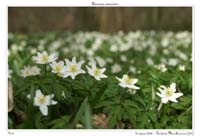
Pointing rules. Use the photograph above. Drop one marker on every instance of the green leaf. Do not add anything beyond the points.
(130, 103)
(60, 122)
(38, 123)
(132, 114)
(152, 115)
(88, 122)
(79, 85)
(104, 104)
(99, 95)
(142, 119)
(80, 112)
(140, 101)
(115, 115)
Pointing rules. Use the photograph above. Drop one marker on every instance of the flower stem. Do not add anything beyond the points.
(123, 95)
(94, 83)
(45, 69)
(153, 93)
(160, 106)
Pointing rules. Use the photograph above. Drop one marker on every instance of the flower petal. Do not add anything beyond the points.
(134, 81)
(119, 79)
(173, 99)
(74, 60)
(67, 61)
(44, 110)
(103, 70)
(164, 99)
(160, 95)
(38, 93)
(176, 95)
(173, 87)
(53, 102)
(133, 87)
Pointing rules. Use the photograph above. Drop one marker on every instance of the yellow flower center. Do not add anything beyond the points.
(97, 72)
(73, 68)
(128, 80)
(42, 99)
(58, 68)
(45, 58)
(168, 92)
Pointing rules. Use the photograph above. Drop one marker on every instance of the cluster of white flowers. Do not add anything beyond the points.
(30, 71)
(71, 69)
(118, 43)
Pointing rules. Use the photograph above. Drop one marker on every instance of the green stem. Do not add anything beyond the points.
(123, 95)
(45, 69)
(94, 83)
(94, 88)
(153, 94)
(32, 93)
(160, 106)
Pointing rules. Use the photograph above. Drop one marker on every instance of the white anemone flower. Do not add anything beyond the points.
(168, 93)
(97, 73)
(30, 71)
(73, 68)
(57, 67)
(128, 82)
(43, 101)
(44, 58)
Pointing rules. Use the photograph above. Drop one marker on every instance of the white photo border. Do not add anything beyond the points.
(4, 131)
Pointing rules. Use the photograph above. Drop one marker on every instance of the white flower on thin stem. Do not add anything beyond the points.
(73, 68)
(44, 58)
(168, 93)
(128, 82)
(43, 101)
(57, 67)
(97, 73)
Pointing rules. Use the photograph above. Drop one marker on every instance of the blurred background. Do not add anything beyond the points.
(42, 19)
